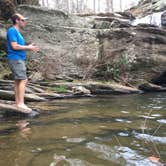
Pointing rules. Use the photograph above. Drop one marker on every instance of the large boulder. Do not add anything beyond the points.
(138, 53)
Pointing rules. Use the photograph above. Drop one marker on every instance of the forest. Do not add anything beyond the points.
(77, 6)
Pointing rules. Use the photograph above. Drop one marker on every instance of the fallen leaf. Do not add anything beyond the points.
(154, 159)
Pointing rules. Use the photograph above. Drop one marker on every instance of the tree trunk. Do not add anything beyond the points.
(112, 5)
(120, 5)
(99, 6)
(94, 5)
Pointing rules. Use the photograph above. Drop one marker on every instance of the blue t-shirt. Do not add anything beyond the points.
(13, 35)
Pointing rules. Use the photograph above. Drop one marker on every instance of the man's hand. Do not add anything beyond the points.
(33, 47)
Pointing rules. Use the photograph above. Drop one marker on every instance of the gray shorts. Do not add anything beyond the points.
(18, 69)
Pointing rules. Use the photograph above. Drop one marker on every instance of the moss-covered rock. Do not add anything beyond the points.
(7, 9)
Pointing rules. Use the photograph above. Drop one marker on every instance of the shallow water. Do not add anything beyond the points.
(102, 131)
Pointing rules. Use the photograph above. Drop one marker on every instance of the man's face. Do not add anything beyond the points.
(21, 22)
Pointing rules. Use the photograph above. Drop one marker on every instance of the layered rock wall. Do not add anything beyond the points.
(102, 46)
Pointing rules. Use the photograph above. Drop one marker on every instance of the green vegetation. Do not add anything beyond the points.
(2, 54)
(60, 89)
(113, 69)
(7, 8)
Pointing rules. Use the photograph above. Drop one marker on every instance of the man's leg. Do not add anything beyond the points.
(21, 91)
(16, 85)
(20, 86)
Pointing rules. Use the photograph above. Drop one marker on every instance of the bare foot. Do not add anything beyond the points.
(23, 108)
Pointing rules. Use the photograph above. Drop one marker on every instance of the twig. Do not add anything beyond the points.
(117, 140)
(144, 125)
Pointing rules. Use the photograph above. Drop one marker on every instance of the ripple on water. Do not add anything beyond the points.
(78, 162)
(122, 134)
(146, 117)
(156, 115)
(123, 120)
(62, 160)
(150, 138)
(120, 155)
(75, 140)
(162, 121)
(125, 112)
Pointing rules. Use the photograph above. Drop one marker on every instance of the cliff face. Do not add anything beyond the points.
(98, 46)
(146, 7)
(68, 44)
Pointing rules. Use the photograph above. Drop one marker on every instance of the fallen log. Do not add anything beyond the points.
(51, 96)
(9, 95)
(101, 88)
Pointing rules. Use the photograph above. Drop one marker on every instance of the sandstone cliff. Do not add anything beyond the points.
(94, 46)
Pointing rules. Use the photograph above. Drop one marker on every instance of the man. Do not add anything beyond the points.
(16, 58)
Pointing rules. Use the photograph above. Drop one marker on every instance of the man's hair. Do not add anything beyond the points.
(14, 18)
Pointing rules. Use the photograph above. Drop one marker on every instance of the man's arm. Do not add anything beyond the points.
(30, 47)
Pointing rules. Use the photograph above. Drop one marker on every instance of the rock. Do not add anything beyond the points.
(9, 95)
(120, 24)
(53, 96)
(101, 88)
(80, 90)
(163, 19)
(67, 46)
(146, 7)
(36, 76)
(161, 80)
(36, 89)
(149, 87)
(11, 109)
(65, 78)
(1, 67)
(137, 51)
(2, 38)
(7, 9)
(110, 23)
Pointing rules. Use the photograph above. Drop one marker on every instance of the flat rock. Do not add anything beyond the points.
(7, 108)
(149, 87)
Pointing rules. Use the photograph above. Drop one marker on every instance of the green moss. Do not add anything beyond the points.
(113, 69)
(2, 54)
(60, 89)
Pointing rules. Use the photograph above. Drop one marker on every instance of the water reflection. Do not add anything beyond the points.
(121, 155)
(104, 131)
(22, 125)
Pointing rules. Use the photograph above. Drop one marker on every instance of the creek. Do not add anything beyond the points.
(102, 131)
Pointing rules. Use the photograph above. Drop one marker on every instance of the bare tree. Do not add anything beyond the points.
(94, 5)
(68, 5)
(57, 4)
(107, 6)
(99, 6)
(43, 3)
(47, 3)
(112, 5)
(120, 5)
(29, 2)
